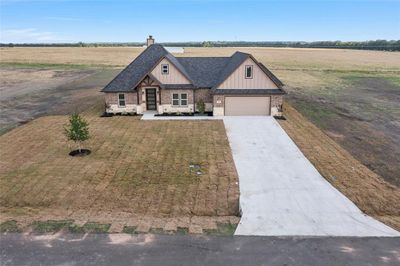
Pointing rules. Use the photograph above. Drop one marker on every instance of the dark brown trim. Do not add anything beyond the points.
(248, 92)
(194, 100)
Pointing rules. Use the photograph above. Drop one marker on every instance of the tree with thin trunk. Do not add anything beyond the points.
(78, 130)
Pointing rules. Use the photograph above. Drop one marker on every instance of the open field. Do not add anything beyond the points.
(137, 170)
(30, 92)
(276, 58)
(352, 95)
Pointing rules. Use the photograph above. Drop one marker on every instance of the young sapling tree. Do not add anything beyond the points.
(77, 130)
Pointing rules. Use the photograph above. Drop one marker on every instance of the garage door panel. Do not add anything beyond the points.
(235, 106)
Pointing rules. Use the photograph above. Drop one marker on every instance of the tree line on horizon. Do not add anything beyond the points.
(384, 45)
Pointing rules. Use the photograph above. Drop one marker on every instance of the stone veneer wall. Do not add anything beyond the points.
(276, 105)
(111, 100)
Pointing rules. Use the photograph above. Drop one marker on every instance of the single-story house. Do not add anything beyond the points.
(158, 81)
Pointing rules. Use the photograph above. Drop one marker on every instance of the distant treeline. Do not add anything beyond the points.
(385, 45)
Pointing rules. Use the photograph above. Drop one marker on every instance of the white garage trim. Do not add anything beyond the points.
(247, 105)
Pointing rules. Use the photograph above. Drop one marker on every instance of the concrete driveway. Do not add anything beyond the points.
(282, 193)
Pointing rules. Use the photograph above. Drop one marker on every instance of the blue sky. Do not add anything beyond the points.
(197, 20)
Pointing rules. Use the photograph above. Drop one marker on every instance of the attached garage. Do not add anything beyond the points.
(250, 105)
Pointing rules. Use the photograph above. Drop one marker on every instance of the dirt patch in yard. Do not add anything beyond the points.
(361, 112)
(365, 188)
(137, 170)
(28, 93)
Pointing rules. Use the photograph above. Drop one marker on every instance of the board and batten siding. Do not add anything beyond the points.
(173, 77)
(237, 79)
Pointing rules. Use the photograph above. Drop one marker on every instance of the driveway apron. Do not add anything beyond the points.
(282, 194)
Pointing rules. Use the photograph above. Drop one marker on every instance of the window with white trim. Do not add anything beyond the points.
(184, 99)
(175, 99)
(165, 69)
(121, 100)
(179, 99)
(249, 72)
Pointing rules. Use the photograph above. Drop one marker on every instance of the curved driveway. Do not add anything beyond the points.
(281, 193)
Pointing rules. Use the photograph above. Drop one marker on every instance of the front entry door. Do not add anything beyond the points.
(151, 99)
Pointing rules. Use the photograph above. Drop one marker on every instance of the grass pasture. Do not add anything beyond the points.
(137, 168)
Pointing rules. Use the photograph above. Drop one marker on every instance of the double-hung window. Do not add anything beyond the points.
(179, 99)
(164, 69)
(175, 99)
(121, 100)
(184, 100)
(249, 72)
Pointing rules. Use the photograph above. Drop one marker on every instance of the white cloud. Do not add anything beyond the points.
(29, 35)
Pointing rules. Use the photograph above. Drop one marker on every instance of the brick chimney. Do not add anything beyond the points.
(150, 41)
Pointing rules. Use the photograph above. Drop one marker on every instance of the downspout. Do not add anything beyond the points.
(194, 101)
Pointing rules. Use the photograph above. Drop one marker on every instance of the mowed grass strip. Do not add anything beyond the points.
(9, 227)
(140, 167)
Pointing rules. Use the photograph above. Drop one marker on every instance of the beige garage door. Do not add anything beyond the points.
(247, 105)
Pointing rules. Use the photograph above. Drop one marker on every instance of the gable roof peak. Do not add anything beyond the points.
(239, 52)
(129, 78)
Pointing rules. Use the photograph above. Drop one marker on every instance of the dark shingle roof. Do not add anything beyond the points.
(128, 79)
(234, 62)
(178, 65)
(202, 72)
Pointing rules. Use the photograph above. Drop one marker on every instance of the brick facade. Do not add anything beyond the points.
(204, 95)
(218, 100)
(130, 98)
